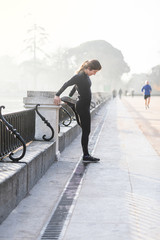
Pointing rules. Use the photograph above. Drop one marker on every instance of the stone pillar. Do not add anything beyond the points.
(48, 110)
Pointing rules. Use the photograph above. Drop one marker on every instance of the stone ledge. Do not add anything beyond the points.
(18, 178)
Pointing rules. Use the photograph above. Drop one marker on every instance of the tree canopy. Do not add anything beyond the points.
(111, 59)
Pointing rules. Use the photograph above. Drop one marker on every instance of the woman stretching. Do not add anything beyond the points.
(82, 84)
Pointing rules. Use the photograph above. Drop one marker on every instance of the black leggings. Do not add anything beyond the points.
(85, 123)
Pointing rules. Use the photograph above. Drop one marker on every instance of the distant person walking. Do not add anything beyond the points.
(114, 93)
(146, 89)
(82, 84)
(120, 93)
(132, 93)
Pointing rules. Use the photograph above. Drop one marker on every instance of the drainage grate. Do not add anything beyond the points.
(57, 221)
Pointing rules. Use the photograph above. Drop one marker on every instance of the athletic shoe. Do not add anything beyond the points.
(90, 159)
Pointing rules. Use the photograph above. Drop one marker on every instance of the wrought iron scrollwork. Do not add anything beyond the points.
(16, 134)
(47, 123)
(69, 120)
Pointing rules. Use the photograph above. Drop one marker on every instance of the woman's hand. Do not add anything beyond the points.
(57, 100)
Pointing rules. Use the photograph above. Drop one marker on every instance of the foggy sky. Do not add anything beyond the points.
(132, 26)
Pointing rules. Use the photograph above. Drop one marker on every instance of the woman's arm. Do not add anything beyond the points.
(71, 82)
(72, 91)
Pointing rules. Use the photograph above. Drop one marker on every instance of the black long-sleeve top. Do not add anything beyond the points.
(82, 84)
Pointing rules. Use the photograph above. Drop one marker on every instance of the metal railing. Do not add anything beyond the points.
(47, 123)
(17, 129)
(66, 115)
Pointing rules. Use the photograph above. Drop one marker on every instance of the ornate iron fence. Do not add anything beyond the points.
(66, 115)
(16, 129)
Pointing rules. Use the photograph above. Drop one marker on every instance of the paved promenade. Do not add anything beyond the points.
(120, 197)
(147, 120)
(117, 198)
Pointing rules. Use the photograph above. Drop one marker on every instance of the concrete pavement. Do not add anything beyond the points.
(120, 196)
(117, 199)
(147, 120)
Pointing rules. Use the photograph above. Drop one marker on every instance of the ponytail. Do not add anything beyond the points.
(82, 67)
(92, 65)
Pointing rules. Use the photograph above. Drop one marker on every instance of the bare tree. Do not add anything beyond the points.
(37, 39)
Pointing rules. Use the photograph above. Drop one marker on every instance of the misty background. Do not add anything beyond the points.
(43, 43)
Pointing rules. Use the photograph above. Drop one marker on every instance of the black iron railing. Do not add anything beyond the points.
(66, 115)
(47, 123)
(16, 129)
